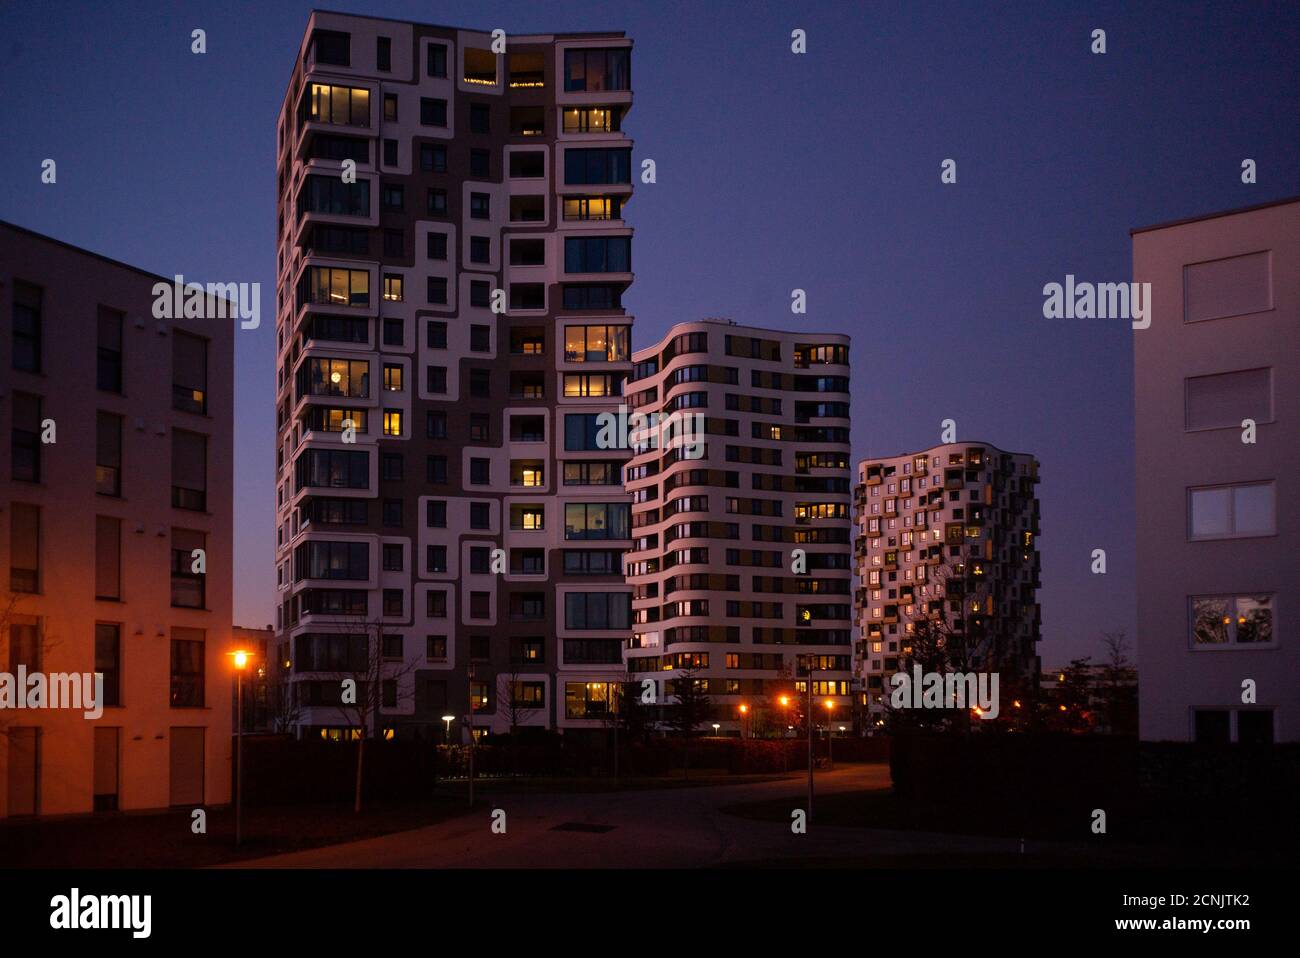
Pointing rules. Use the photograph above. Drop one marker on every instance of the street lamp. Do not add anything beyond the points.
(240, 658)
(830, 736)
(785, 752)
(744, 712)
(448, 719)
(716, 726)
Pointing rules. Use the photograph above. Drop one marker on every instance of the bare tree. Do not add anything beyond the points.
(1119, 689)
(34, 647)
(369, 683)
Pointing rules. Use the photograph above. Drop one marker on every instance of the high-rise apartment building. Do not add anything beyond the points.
(740, 564)
(1217, 382)
(115, 536)
(450, 327)
(946, 543)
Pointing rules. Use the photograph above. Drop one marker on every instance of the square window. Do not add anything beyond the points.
(480, 163)
(480, 338)
(480, 206)
(433, 111)
(433, 158)
(480, 515)
(436, 246)
(480, 118)
(480, 249)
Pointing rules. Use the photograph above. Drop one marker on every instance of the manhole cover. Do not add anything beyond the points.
(582, 827)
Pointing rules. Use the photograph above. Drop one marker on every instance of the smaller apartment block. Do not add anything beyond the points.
(98, 528)
(947, 535)
(740, 562)
(1217, 382)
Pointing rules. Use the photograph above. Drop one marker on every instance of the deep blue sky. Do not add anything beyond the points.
(775, 171)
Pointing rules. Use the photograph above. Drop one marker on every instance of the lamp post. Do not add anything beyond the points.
(830, 736)
(744, 713)
(241, 662)
(716, 726)
(448, 719)
(469, 722)
(812, 722)
(785, 754)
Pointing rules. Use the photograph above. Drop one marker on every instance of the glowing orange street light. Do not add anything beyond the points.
(830, 736)
(240, 658)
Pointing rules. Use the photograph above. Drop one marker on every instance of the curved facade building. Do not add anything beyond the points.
(740, 565)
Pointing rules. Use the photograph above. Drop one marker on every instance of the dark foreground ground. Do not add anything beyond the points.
(714, 821)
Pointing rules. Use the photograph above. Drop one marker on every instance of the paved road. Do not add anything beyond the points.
(653, 828)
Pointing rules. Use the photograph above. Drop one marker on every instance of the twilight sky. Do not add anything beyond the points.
(775, 171)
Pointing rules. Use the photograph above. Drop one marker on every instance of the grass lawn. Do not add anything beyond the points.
(164, 839)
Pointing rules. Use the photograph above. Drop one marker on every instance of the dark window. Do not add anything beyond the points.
(435, 379)
(480, 206)
(433, 158)
(1255, 727)
(390, 152)
(598, 254)
(189, 588)
(187, 668)
(479, 559)
(393, 513)
(480, 249)
(108, 372)
(480, 118)
(435, 514)
(480, 472)
(108, 660)
(108, 454)
(189, 373)
(435, 469)
(435, 246)
(480, 293)
(392, 557)
(436, 202)
(593, 296)
(392, 647)
(189, 470)
(383, 53)
(436, 60)
(527, 252)
(596, 69)
(25, 438)
(394, 243)
(480, 163)
(332, 47)
(527, 120)
(436, 291)
(393, 197)
(433, 111)
(1213, 726)
(480, 338)
(390, 107)
(527, 295)
(27, 327)
(480, 515)
(393, 601)
(527, 165)
(613, 165)
(435, 559)
(435, 425)
(329, 194)
(390, 466)
(479, 427)
(393, 332)
(480, 383)
(435, 334)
